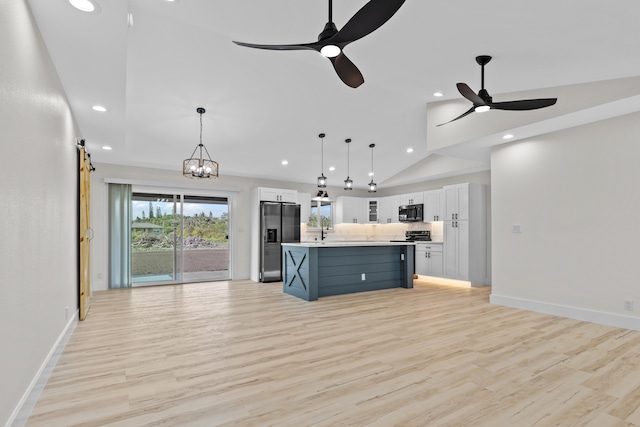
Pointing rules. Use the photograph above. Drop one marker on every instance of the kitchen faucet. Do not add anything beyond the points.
(322, 234)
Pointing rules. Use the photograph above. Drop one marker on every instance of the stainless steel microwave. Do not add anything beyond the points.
(410, 213)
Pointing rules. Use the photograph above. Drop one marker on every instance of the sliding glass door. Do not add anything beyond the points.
(205, 238)
(178, 238)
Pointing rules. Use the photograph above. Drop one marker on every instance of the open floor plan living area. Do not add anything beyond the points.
(319, 213)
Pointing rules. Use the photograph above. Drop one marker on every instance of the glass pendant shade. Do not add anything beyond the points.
(348, 184)
(322, 181)
(200, 167)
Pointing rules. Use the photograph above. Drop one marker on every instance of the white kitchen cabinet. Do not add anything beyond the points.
(433, 204)
(456, 242)
(412, 198)
(456, 202)
(465, 240)
(428, 259)
(278, 195)
(304, 199)
(351, 210)
(388, 209)
(373, 210)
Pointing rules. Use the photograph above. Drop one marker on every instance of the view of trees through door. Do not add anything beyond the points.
(178, 238)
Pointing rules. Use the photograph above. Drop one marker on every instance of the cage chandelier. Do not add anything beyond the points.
(200, 167)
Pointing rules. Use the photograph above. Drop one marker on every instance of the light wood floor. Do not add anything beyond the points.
(244, 354)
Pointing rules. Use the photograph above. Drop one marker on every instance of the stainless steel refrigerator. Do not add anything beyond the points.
(279, 223)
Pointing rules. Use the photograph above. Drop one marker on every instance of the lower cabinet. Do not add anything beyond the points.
(428, 259)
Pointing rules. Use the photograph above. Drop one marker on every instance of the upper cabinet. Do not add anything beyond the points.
(373, 210)
(388, 209)
(278, 195)
(304, 199)
(456, 202)
(412, 199)
(351, 210)
(433, 206)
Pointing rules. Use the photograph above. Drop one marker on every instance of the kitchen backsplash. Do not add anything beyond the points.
(372, 232)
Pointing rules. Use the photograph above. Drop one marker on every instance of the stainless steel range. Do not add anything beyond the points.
(416, 236)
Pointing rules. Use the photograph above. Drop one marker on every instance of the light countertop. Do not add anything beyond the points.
(339, 244)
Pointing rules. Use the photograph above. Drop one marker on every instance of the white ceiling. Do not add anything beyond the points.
(266, 106)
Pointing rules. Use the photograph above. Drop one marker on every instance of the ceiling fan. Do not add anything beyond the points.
(331, 42)
(484, 102)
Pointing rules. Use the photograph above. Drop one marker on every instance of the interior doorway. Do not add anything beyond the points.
(177, 238)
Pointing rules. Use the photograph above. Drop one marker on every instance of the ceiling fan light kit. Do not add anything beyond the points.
(482, 101)
(331, 41)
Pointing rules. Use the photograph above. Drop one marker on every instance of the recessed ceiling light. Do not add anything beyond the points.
(409, 150)
(332, 168)
(438, 94)
(107, 148)
(507, 136)
(99, 108)
(284, 162)
(84, 5)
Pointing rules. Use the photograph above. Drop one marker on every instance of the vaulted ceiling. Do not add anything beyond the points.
(151, 63)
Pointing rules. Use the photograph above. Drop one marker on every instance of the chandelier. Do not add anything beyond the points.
(200, 167)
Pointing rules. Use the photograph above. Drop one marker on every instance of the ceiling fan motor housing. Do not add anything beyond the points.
(329, 31)
(488, 99)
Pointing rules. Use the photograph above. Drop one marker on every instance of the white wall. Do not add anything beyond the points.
(38, 189)
(575, 195)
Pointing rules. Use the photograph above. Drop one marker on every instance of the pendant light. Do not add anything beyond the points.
(348, 183)
(373, 187)
(322, 180)
(200, 167)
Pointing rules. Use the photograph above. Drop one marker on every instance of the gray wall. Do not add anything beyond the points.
(575, 195)
(38, 238)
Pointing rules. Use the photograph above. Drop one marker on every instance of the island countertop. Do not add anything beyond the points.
(347, 243)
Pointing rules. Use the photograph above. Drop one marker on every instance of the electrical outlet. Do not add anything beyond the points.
(363, 276)
(517, 228)
(99, 275)
(628, 305)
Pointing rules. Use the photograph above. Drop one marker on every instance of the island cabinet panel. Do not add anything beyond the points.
(312, 272)
(300, 272)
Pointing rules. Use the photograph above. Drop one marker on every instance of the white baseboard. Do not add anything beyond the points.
(609, 319)
(28, 401)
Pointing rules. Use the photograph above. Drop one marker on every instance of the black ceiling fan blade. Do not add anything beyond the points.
(524, 104)
(466, 113)
(368, 19)
(468, 93)
(347, 71)
(305, 46)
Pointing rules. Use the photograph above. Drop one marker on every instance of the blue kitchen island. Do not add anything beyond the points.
(317, 269)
